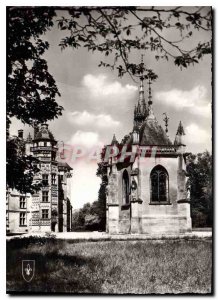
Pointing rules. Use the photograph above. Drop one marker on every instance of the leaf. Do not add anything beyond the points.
(128, 32)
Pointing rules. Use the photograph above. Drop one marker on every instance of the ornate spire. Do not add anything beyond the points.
(140, 112)
(114, 140)
(141, 89)
(166, 119)
(179, 139)
(149, 92)
(180, 130)
(135, 134)
(150, 102)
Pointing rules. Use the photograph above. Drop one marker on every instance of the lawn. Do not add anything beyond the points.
(138, 267)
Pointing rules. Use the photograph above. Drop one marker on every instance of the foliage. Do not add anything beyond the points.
(200, 174)
(92, 222)
(91, 216)
(115, 267)
(31, 89)
(117, 31)
(21, 168)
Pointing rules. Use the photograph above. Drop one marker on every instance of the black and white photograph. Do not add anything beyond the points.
(109, 139)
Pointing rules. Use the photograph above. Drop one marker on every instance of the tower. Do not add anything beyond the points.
(28, 144)
(49, 208)
(141, 111)
(45, 201)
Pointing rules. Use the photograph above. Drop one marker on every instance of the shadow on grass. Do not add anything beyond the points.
(54, 272)
(113, 267)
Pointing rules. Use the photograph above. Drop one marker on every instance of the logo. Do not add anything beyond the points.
(28, 269)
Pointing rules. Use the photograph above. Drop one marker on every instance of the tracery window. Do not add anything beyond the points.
(159, 179)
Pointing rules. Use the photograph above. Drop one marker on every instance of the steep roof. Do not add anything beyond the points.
(44, 133)
(151, 133)
(64, 165)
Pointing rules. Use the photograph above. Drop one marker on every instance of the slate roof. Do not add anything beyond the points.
(64, 165)
(44, 134)
(151, 133)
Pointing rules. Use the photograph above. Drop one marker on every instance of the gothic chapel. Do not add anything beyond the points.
(149, 195)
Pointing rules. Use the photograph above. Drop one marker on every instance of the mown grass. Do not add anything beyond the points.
(135, 267)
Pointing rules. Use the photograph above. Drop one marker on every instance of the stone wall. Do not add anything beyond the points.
(142, 216)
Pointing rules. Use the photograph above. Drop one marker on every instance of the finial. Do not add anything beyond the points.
(141, 84)
(150, 109)
(114, 140)
(149, 92)
(142, 73)
(166, 119)
(179, 139)
(180, 130)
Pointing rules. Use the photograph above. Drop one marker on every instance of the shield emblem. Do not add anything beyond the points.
(28, 269)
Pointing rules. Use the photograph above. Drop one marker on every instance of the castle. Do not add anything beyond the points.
(149, 194)
(49, 209)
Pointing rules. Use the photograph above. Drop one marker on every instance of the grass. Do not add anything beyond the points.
(135, 267)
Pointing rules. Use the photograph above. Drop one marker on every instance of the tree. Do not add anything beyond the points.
(31, 89)
(199, 169)
(115, 32)
(102, 173)
(21, 168)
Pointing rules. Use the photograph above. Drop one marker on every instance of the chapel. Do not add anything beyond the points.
(149, 194)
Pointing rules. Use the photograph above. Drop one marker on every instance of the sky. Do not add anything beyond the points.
(98, 104)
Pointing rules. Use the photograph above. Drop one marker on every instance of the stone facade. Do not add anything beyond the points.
(49, 209)
(148, 195)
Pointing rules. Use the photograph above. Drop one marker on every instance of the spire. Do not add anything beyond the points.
(149, 92)
(140, 112)
(141, 89)
(179, 139)
(114, 140)
(180, 130)
(150, 102)
(135, 134)
(166, 119)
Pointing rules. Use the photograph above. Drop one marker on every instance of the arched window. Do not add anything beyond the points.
(125, 185)
(159, 185)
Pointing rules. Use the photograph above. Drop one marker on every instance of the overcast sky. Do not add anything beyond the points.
(98, 104)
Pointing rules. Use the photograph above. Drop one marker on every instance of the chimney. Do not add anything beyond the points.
(20, 133)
